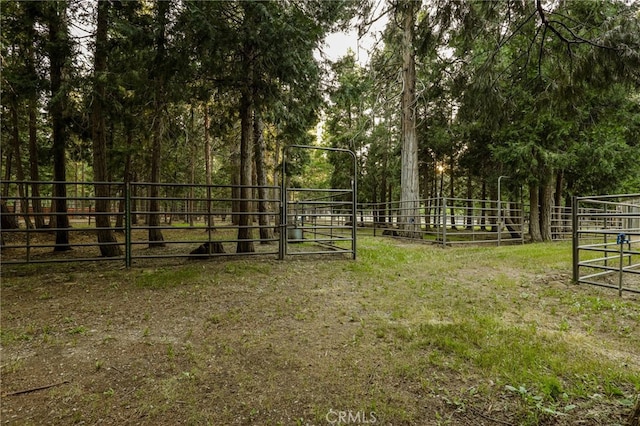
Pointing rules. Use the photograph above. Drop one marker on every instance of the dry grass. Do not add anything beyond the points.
(407, 334)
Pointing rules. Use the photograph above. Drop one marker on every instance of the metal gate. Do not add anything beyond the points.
(193, 221)
(317, 220)
(606, 241)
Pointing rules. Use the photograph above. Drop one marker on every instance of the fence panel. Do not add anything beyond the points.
(606, 241)
(149, 221)
(450, 221)
(35, 230)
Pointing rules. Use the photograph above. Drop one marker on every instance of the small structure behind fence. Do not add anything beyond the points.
(606, 241)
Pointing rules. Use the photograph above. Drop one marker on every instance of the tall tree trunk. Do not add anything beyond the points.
(246, 158)
(382, 215)
(127, 179)
(15, 138)
(33, 136)
(245, 243)
(452, 193)
(469, 209)
(266, 232)
(106, 237)
(7, 172)
(441, 197)
(58, 56)
(245, 236)
(235, 186)
(409, 182)
(33, 166)
(558, 216)
(9, 219)
(191, 141)
(493, 214)
(483, 205)
(276, 179)
(207, 162)
(155, 233)
(546, 205)
(534, 213)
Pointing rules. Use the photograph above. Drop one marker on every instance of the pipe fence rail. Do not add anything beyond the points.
(448, 221)
(166, 221)
(318, 220)
(606, 241)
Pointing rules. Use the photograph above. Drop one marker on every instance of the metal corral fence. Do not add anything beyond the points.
(606, 241)
(323, 217)
(156, 221)
(449, 221)
(320, 220)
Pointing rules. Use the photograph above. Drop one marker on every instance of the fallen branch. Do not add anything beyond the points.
(21, 392)
(493, 419)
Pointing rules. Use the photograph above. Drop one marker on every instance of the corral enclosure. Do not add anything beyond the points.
(194, 214)
(606, 242)
(200, 221)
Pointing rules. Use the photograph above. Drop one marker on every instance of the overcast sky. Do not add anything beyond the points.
(337, 44)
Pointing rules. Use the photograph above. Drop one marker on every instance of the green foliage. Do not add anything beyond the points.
(503, 88)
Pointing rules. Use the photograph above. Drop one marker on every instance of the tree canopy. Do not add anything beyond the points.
(203, 92)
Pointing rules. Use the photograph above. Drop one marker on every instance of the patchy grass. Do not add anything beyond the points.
(406, 334)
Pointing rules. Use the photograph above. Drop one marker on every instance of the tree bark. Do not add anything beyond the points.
(8, 219)
(469, 209)
(546, 205)
(15, 138)
(7, 172)
(557, 206)
(409, 181)
(58, 56)
(452, 193)
(156, 238)
(106, 237)
(245, 245)
(266, 232)
(207, 162)
(534, 214)
(244, 231)
(191, 143)
(33, 136)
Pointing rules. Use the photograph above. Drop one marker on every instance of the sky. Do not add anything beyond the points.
(337, 44)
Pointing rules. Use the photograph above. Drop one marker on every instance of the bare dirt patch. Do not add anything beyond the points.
(257, 341)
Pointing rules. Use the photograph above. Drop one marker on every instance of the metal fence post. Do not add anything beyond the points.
(283, 208)
(127, 224)
(444, 221)
(575, 239)
(27, 230)
(621, 241)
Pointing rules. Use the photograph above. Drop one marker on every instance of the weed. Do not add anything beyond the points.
(13, 366)
(167, 278)
(78, 330)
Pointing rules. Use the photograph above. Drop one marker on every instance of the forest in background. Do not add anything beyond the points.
(455, 95)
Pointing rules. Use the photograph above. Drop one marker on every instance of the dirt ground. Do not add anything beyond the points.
(223, 342)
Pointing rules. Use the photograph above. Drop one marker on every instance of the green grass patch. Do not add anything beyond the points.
(168, 277)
